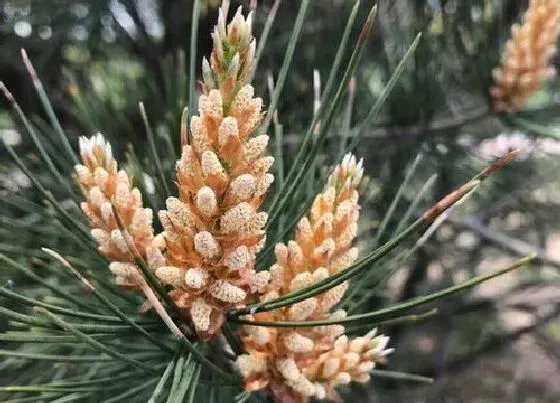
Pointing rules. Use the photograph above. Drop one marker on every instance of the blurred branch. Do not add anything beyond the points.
(549, 345)
(433, 128)
(389, 132)
(515, 193)
(132, 9)
(513, 245)
(494, 344)
(142, 49)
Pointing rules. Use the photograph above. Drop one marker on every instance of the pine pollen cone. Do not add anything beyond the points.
(214, 229)
(106, 190)
(300, 363)
(525, 59)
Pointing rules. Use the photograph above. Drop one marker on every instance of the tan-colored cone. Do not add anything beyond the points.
(525, 59)
(290, 361)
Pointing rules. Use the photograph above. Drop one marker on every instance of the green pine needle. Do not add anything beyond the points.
(374, 318)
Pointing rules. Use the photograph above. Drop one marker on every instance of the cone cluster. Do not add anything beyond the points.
(214, 228)
(525, 60)
(108, 190)
(303, 362)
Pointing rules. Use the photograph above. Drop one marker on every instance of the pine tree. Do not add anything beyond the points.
(186, 292)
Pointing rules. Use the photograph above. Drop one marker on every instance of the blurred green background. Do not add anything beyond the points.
(501, 342)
